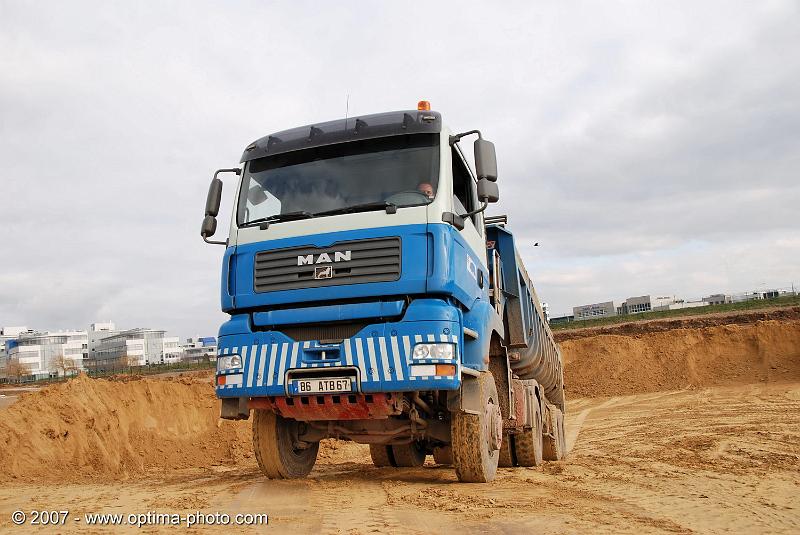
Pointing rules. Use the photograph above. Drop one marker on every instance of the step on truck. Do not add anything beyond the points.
(371, 299)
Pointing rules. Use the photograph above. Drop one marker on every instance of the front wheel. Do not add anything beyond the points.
(476, 438)
(279, 453)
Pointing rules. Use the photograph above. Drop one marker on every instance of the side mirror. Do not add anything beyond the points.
(488, 191)
(213, 200)
(209, 226)
(485, 160)
(214, 197)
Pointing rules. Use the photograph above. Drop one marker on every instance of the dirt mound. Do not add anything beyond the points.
(129, 427)
(691, 322)
(611, 364)
(89, 428)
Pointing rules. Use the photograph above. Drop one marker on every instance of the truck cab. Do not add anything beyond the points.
(365, 302)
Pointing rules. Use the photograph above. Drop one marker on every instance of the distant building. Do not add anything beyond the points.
(546, 310)
(42, 352)
(686, 304)
(97, 332)
(561, 319)
(717, 299)
(137, 347)
(635, 305)
(594, 311)
(663, 302)
(199, 349)
(8, 337)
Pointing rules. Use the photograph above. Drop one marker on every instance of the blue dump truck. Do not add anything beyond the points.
(372, 300)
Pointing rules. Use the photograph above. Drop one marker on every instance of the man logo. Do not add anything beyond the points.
(324, 258)
(325, 272)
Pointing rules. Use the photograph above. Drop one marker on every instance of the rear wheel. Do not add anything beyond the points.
(476, 438)
(279, 453)
(554, 444)
(443, 455)
(380, 455)
(409, 455)
(506, 452)
(528, 445)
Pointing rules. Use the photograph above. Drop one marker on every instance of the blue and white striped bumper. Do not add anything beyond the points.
(382, 363)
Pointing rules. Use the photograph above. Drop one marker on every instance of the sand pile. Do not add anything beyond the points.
(609, 365)
(89, 428)
(127, 428)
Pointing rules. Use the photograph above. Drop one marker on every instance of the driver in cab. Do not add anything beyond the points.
(426, 189)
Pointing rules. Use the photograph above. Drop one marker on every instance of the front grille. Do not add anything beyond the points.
(371, 260)
(332, 332)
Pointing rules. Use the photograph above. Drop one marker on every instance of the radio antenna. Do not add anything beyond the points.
(346, 110)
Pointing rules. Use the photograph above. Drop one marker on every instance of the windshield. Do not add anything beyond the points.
(369, 174)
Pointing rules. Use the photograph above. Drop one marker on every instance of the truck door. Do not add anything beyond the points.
(465, 200)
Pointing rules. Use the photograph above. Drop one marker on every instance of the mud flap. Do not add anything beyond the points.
(468, 398)
(234, 409)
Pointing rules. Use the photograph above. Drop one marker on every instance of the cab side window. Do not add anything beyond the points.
(463, 188)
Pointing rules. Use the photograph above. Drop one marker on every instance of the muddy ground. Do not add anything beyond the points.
(707, 455)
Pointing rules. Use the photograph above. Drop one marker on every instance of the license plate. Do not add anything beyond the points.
(327, 385)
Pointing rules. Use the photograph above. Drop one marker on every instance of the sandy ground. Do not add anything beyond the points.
(688, 429)
(723, 459)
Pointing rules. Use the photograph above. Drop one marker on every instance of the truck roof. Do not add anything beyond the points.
(351, 129)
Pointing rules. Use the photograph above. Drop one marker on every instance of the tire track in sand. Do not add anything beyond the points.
(359, 506)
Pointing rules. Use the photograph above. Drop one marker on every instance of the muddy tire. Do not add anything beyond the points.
(380, 455)
(409, 455)
(561, 426)
(443, 455)
(506, 452)
(529, 445)
(274, 446)
(476, 438)
(554, 446)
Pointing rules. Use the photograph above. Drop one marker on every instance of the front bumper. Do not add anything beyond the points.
(379, 358)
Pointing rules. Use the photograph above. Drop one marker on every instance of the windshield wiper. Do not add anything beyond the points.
(278, 218)
(391, 208)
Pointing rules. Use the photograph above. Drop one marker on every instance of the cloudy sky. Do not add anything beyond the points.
(649, 147)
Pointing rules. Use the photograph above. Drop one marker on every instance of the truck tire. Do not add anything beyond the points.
(380, 455)
(529, 445)
(476, 438)
(554, 444)
(443, 455)
(409, 455)
(506, 452)
(563, 434)
(273, 444)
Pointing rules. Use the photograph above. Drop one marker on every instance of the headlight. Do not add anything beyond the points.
(229, 362)
(434, 351)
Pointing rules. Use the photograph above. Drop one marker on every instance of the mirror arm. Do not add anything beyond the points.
(212, 242)
(236, 170)
(456, 138)
(478, 211)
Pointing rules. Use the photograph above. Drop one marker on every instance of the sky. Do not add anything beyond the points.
(648, 147)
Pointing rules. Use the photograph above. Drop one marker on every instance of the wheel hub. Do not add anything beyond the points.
(493, 425)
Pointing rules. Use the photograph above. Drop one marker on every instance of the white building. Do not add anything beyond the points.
(686, 304)
(97, 332)
(200, 349)
(137, 347)
(8, 337)
(42, 352)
